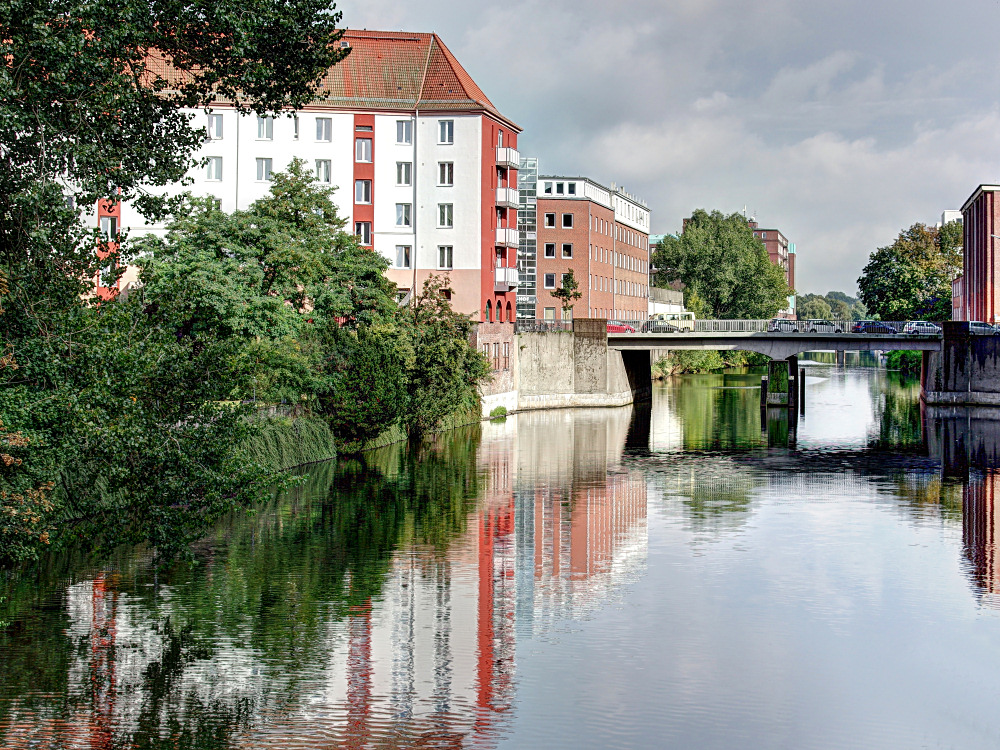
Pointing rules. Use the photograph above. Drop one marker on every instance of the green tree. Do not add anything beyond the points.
(718, 259)
(911, 278)
(568, 292)
(813, 306)
(443, 370)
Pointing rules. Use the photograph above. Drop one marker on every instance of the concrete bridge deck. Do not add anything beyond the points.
(775, 345)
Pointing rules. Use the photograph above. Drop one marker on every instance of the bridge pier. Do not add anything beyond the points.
(841, 358)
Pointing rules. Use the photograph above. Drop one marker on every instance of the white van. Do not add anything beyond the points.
(669, 322)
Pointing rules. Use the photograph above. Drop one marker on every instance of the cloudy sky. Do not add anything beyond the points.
(838, 123)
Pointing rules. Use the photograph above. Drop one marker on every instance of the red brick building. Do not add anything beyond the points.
(781, 254)
(976, 290)
(602, 235)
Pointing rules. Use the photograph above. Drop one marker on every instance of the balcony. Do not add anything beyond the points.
(507, 237)
(508, 157)
(505, 279)
(507, 197)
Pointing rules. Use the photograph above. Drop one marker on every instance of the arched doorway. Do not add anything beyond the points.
(489, 311)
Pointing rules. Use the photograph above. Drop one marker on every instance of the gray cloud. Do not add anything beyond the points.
(838, 123)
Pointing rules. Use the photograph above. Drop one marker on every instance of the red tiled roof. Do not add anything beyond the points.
(390, 70)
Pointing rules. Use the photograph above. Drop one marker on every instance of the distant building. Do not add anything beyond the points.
(602, 234)
(975, 297)
(782, 254)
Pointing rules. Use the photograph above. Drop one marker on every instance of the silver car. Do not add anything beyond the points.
(922, 328)
(822, 326)
(981, 329)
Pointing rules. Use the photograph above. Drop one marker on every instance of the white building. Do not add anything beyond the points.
(424, 165)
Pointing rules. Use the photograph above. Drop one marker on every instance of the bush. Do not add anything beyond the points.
(499, 412)
(905, 361)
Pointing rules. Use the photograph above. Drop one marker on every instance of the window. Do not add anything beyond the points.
(550, 249)
(403, 214)
(215, 127)
(362, 191)
(550, 281)
(364, 128)
(403, 171)
(263, 170)
(550, 313)
(402, 256)
(446, 131)
(446, 173)
(107, 273)
(445, 256)
(506, 354)
(567, 314)
(363, 229)
(571, 188)
(562, 280)
(548, 188)
(559, 188)
(295, 127)
(567, 221)
(496, 344)
(265, 128)
(109, 228)
(550, 220)
(363, 149)
(323, 170)
(500, 139)
(404, 131)
(324, 129)
(567, 250)
(446, 217)
(213, 170)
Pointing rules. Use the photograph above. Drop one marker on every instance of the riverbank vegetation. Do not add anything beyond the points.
(906, 362)
(831, 306)
(682, 362)
(138, 419)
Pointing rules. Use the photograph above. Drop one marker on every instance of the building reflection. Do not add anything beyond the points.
(426, 659)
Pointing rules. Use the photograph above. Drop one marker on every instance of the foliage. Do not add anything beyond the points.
(905, 361)
(284, 443)
(366, 393)
(681, 361)
(498, 412)
(911, 278)
(834, 305)
(568, 292)
(443, 371)
(719, 259)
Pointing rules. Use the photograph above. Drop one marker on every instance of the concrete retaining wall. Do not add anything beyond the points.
(965, 371)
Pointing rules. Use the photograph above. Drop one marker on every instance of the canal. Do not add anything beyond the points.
(669, 575)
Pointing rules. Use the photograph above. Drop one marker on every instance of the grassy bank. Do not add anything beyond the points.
(681, 362)
(285, 442)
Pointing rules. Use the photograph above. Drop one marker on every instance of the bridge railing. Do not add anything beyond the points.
(542, 326)
(781, 325)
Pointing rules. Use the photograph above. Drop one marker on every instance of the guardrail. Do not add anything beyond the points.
(780, 325)
(542, 326)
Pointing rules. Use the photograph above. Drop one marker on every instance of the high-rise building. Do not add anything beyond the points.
(976, 292)
(602, 235)
(424, 164)
(781, 252)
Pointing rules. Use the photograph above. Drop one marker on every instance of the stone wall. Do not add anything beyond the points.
(965, 371)
(498, 342)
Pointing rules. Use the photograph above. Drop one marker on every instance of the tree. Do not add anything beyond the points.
(443, 370)
(568, 292)
(911, 278)
(813, 306)
(718, 259)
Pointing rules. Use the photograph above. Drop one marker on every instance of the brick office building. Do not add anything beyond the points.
(602, 234)
(974, 293)
(782, 254)
(425, 166)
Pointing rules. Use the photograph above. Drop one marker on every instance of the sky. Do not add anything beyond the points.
(838, 123)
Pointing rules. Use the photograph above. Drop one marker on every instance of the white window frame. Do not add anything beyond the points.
(214, 126)
(545, 250)
(363, 191)
(404, 132)
(109, 228)
(545, 281)
(564, 218)
(213, 169)
(403, 256)
(324, 129)
(295, 127)
(446, 215)
(446, 132)
(570, 246)
(404, 214)
(551, 225)
(265, 128)
(265, 169)
(446, 257)
(446, 173)
(363, 231)
(363, 150)
(324, 170)
(404, 169)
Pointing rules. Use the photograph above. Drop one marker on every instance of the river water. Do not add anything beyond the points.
(663, 576)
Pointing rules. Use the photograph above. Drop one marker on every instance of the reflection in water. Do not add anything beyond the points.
(420, 596)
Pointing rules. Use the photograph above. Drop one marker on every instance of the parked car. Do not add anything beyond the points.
(982, 329)
(872, 326)
(658, 325)
(921, 328)
(822, 326)
(616, 326)
(782, 325)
